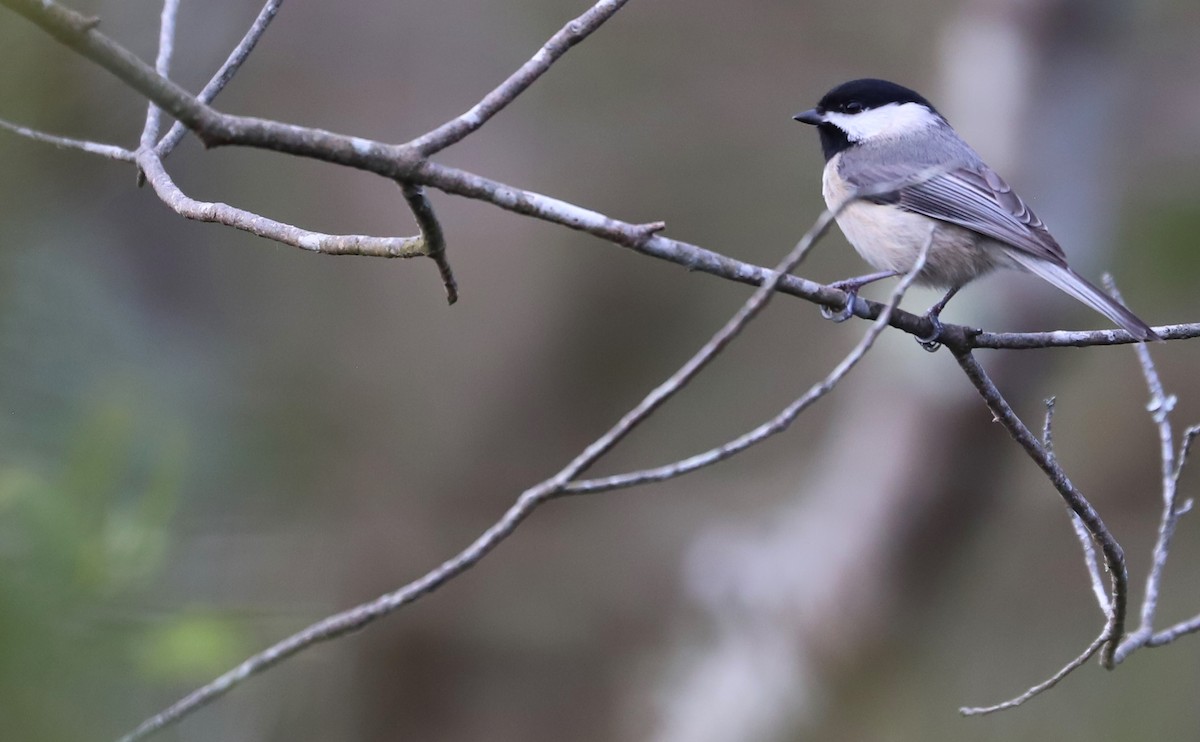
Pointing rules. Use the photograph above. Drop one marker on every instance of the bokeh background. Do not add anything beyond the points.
(208, 441)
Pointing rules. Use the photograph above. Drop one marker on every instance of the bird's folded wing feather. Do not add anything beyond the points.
(978, 199)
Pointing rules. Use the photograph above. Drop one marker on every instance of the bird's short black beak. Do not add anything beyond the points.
(811, 116)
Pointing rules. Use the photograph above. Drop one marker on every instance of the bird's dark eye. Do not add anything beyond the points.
(853, 107)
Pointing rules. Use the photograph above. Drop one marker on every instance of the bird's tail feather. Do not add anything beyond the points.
(1079, 287)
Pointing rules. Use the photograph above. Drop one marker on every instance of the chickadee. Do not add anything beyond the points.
(925, 183)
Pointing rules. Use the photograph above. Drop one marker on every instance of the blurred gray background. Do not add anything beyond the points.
(208, 441)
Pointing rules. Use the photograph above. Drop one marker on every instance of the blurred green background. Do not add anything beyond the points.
(208, 441)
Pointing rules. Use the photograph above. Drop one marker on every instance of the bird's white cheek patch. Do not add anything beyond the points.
(890, 121)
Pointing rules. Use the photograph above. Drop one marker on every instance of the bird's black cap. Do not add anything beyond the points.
(869, 93)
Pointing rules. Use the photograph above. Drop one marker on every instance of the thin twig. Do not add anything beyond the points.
(162, 65)
(569, 35)
(1076, 338)
(328, 244)
(108, 151)
(431, 235)
(1042, 687)
(218, 82)
(1048, 428)
(1081, 532)
(1160, 406)
(356, 618)
(1093, 565)
(1114, 557)
(775, 425)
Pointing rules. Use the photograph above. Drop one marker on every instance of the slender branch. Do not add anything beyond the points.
(108, 151)
(1048, 429)
(351, 620)
(674, 383)
(777, 424)
(356, 618)
(1160, 406)
(1076, 338)
(1093, 566)
(162, 65)
(569, 35)
(433, 241)
(1081, 532)
(1114, 557)
(329, 244)
(1045, 685)
(226, 72)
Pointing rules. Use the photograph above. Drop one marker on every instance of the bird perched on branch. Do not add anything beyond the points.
(897, 175)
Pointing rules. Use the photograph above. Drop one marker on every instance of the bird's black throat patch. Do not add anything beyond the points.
(833, 140)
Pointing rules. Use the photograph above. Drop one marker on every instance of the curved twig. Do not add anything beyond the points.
(328, 244)
(433, 242)
(1114, 556)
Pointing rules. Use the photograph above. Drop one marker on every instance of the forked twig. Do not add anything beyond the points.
(329, 244)
(1114, 558)
(356, 618)
(224, 74)
(1160, 407)
(777, 424)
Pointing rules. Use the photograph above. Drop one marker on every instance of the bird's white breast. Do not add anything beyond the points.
(891, 239)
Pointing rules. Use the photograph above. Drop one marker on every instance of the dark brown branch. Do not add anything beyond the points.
(433, 241)
(1114, 557)
(1081, 531)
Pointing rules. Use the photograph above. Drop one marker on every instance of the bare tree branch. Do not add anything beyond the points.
(329, 244)
(1160, 407)
(1114, 557)
(226, 72)
(1075, 338)
(433, 242)
(108, 151)
(162, 65)
(569, 35)
(1044, 686)
(356, 618)
(1081, 532)
(777, 424)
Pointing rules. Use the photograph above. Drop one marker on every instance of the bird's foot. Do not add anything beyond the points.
(931, 342)
(847, 311)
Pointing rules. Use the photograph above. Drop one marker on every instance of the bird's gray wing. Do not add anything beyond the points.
(975, 197)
